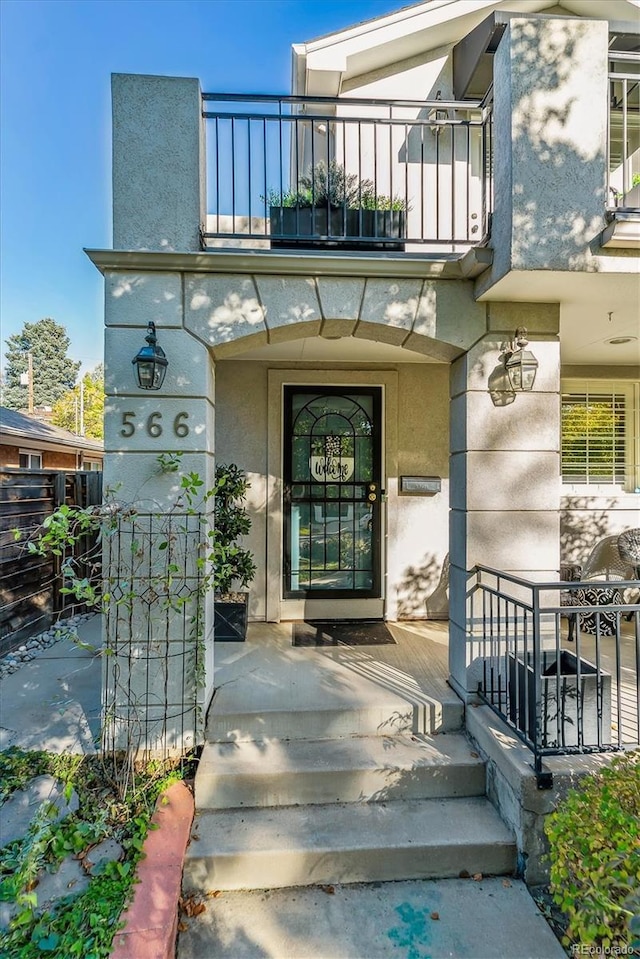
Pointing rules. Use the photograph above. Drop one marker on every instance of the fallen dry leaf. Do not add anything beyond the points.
(477, 877)
(191, 906)
(463, 874)
(506, 883)
(435, 915)
(182, 926)
(195, 838)
(475, 755)
(330, 890)
(213, 894)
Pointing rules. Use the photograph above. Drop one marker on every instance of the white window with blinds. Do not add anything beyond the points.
(600, 434)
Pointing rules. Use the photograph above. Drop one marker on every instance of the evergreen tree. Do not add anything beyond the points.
(83, 406)
(53, 371)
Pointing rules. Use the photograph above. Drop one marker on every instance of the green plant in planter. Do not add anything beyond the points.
(373, 201)
(329, 185)
(232, 565)
(331, 206)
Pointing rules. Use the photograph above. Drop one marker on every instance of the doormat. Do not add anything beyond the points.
(342, 632)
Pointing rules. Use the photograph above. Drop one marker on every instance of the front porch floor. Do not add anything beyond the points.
(337, 690)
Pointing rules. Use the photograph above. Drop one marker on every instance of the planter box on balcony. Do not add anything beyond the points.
(230, 618)
(594, 696)
(348, 229)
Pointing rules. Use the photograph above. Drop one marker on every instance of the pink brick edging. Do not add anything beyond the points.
(151, 919)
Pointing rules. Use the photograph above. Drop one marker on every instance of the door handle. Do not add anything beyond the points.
(372, 497)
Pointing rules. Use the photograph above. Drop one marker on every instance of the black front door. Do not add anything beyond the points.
(332, 473)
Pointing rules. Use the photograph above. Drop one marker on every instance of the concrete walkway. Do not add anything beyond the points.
(460, 918)
(52, 702)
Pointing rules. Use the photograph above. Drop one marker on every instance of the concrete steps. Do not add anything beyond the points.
(346, 843)
(321, 790)
(387, 717)
(359, 769)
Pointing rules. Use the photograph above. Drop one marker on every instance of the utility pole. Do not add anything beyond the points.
(26, 379)
(82, 407)
(30, 370)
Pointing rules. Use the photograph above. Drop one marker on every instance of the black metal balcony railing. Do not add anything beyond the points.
(290, 171)
(624, 130)
(574, 694)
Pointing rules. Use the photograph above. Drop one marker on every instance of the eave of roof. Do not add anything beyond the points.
(18, 426)
(321, 65)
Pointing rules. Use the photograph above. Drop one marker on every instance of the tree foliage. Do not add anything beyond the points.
(595, 857)
(83, 406)
(54, 372)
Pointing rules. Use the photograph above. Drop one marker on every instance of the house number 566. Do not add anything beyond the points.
(153, 425)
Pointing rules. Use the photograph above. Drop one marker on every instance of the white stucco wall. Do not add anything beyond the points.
(158, 163)
(550, 132)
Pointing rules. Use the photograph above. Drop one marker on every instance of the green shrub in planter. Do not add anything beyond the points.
(594, 836)
(233, 566)
(331, 202)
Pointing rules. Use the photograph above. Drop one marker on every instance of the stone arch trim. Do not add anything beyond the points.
(232, 312)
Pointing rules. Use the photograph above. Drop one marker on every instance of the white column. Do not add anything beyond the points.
(550, 136)
(505, 470)
(158, 163)
(159, 677)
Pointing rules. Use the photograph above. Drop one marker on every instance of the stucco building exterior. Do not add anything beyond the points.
(512, 142)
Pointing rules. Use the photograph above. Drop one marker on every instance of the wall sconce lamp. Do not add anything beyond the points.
(150, 362)
(437, 117)
(520, 364)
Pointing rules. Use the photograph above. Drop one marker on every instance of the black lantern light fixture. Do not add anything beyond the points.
(150, 362)
(520, 364)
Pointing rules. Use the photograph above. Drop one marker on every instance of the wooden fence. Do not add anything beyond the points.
(30, 597)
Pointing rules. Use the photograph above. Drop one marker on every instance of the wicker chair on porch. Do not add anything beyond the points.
(613, 558)
(570, 573)
(629, 549)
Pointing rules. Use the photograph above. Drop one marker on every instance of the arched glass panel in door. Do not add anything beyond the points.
(332, 492)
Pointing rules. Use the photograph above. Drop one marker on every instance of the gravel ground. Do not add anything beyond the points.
(67, 629)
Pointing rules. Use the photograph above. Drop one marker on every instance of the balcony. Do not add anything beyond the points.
(623, 208)
(300, 173)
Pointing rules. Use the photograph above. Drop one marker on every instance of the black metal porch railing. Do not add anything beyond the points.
(300, 171)
(560, 696)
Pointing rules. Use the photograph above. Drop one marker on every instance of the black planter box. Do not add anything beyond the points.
(230, 620)
(350, 229)
(594, 697)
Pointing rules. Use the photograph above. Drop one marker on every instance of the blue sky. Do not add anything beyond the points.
(56, 57)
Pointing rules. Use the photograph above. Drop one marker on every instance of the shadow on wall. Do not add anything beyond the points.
(559, 134)
(582, 526)
(417, 586)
